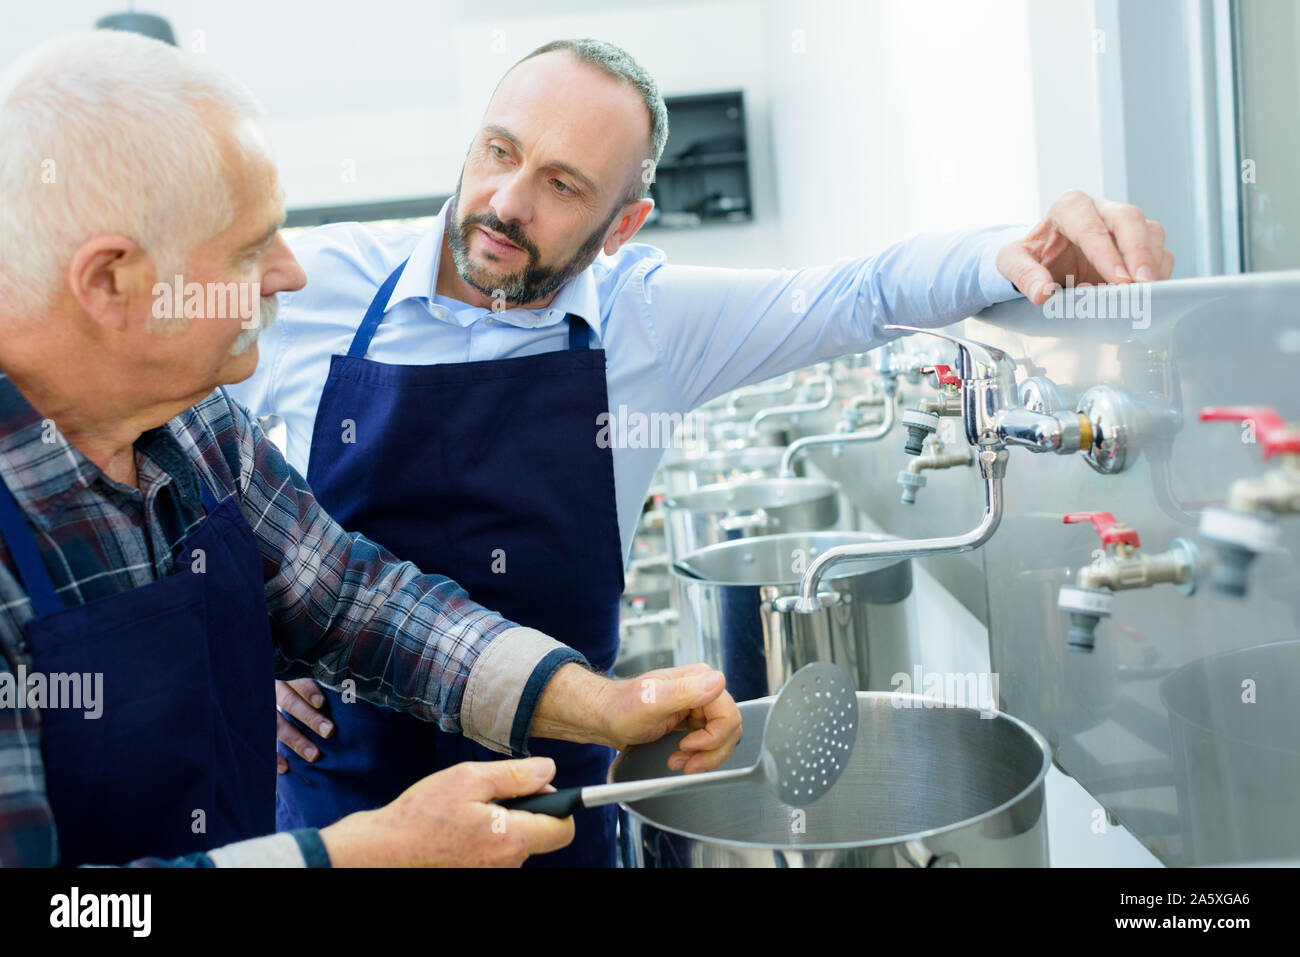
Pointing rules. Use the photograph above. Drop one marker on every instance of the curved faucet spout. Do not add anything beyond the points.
(993, 466)
(799, 446)
(796, 409)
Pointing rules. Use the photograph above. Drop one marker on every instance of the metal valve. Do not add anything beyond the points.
(923, 421)
(1119, 567)
(1247, 526)
(983, 392)
(943, 374)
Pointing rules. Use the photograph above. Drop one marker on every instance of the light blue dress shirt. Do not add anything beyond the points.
(674, 336)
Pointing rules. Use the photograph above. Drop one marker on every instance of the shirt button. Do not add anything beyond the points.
(489, 320)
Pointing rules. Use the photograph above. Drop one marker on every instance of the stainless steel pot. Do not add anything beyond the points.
(1237, 757)
(729, 465)
(926, 787)
(731, 510)
(736, 603)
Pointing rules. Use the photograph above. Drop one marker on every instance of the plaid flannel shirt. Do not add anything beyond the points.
(340, 605)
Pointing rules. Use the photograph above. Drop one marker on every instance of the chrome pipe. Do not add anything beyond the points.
(993, 466)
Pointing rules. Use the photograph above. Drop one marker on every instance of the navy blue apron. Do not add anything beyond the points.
(489, 473)
(187, 718)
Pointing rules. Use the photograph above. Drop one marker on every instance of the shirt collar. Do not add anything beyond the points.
(44, 470)
(419, 278)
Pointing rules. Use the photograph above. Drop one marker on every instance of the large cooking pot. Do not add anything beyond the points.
(728, 465)
(1236, 755)
(929, 785)
(732, 510)
(736, 603)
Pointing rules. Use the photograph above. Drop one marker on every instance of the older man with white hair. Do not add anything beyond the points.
(155, 541)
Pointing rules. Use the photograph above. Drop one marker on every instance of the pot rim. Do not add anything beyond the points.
(761, 541)
(1044, 748)
(811, 490)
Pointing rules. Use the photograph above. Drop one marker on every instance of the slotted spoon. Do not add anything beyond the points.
(808, 738)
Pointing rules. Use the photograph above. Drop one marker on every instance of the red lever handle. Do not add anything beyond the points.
(1107, 528)
(945, 374)
(1270, 428)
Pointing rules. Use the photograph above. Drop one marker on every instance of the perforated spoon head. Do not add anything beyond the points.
(810, 732)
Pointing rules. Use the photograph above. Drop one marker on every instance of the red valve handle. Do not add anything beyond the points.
(1271, 429)
(1106, 526)
(945, 374)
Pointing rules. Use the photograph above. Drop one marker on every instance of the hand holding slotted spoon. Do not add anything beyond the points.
(808, 738)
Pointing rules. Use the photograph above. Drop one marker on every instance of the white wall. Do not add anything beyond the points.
(869, 120)
(900, 116)
(370, 85)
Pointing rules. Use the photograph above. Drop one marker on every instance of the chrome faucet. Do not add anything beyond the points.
(983, 391)
(993, 466)
(852, 416)
(985, 395)
(772, 387)
(798, 408)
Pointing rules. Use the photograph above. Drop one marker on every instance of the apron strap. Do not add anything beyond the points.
(579, 332)
(32, 573)
(210, 501)
(375, 314)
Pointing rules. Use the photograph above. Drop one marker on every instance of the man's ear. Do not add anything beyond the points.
(107, 276)
(627, 224)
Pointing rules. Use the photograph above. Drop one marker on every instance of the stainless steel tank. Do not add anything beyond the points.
(927, 786)
(1235, 735)
(736, 598)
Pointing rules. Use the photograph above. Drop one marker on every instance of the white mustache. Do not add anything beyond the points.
(266, 313)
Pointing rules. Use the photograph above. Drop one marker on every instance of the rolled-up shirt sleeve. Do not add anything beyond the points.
(344, 609)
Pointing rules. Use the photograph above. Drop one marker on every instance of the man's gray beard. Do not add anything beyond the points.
(526, 285)
(519, 287)
(266, 312)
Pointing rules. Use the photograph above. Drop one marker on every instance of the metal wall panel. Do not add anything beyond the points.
(1202, 763)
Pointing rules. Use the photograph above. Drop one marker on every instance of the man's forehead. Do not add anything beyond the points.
(573, 104)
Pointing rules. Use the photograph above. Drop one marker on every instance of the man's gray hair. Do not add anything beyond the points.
(618, 63)
(108, 132)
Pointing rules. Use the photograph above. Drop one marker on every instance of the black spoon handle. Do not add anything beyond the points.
(560, 803)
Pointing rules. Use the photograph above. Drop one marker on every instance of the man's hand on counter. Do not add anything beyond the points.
(579, 705)
(1094, 240)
